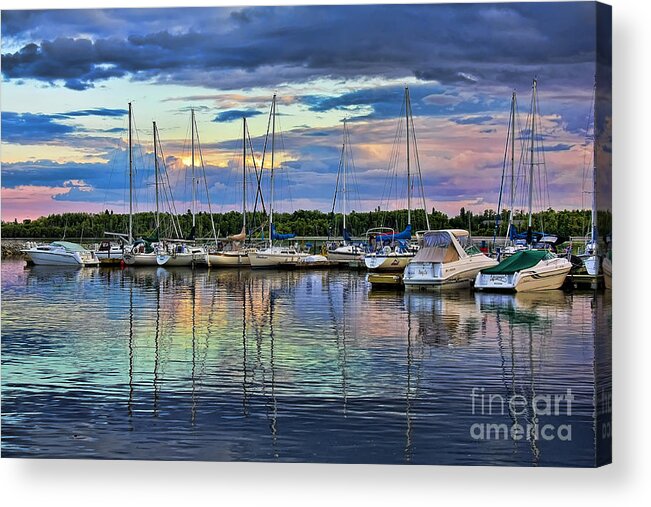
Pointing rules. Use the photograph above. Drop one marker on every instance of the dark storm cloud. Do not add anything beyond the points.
(385, 102)
(235, 114)
(28, 128)
(36, 128)
(452, 44)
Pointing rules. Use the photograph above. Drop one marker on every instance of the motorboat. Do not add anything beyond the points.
(527, 270)
(446, 259)
(61, 253)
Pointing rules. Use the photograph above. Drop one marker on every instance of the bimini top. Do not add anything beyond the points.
(518, 261)
(441, 246)
(70, 247)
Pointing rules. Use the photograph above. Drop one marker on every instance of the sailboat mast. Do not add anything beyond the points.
(594, 232)
(156, 178)
(193, 178)
(512, 204)
(130, 179)
(244, 174)
(273, 146)
(345, 170)
(531, 171)
(408, 167)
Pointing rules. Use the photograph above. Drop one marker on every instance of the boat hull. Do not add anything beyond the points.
(54, 259)
(269, 260)
(546, 275)
(181, 260)
(387, 263)
(607, 268)
(229, 259)
(452, 275)
(346, 258)
(140, 259)
(114, 254)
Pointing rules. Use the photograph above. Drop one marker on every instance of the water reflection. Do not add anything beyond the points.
(289, 366)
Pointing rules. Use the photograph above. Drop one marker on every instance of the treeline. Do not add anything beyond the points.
(564, 223)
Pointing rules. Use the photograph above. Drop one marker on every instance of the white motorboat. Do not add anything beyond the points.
(536, 268)
(446, 259)
(61, 253)
(528, 270)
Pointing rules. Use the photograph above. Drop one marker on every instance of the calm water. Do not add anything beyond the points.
(290, 366)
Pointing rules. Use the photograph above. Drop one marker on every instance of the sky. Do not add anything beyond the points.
(68, 75)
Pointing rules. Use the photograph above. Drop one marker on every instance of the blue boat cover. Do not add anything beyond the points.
(279, 237)
(406, 234)
(347, 236)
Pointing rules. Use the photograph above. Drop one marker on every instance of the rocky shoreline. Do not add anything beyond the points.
(11, 248)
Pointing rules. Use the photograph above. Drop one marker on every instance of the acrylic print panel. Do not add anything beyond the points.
(341, 234)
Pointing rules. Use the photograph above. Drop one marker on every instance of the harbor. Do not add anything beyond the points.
(284, 365)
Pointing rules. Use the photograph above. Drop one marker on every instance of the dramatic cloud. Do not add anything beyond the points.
(460, 62)
(449, 44)
(236, 114)
(28, 128)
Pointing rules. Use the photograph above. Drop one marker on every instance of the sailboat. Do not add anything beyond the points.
(590, 255)
(142, 252)
(346, 253)
(391, 251)
(185, 253)
(125, 240)
(529, 269)
(235, 254)
(274, 255)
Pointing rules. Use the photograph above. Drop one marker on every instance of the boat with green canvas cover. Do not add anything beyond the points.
(527, 270)
(532, 269)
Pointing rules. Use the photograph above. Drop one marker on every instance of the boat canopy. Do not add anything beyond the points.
(70, 247)
(437, 246)
(535, 235)
(279, 237)
(406, 234)
(518, 261)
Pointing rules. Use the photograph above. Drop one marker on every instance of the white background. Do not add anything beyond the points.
(627, 481)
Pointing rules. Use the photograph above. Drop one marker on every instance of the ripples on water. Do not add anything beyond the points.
(286, 366)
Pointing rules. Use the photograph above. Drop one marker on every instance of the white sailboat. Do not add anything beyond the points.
(446, 259)
(61, 253)
(530, 269)
(391, 251)
(590, 254)
(274, 256)
(142, 252)
(346, 253)
(178, 253)
(235, 254)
